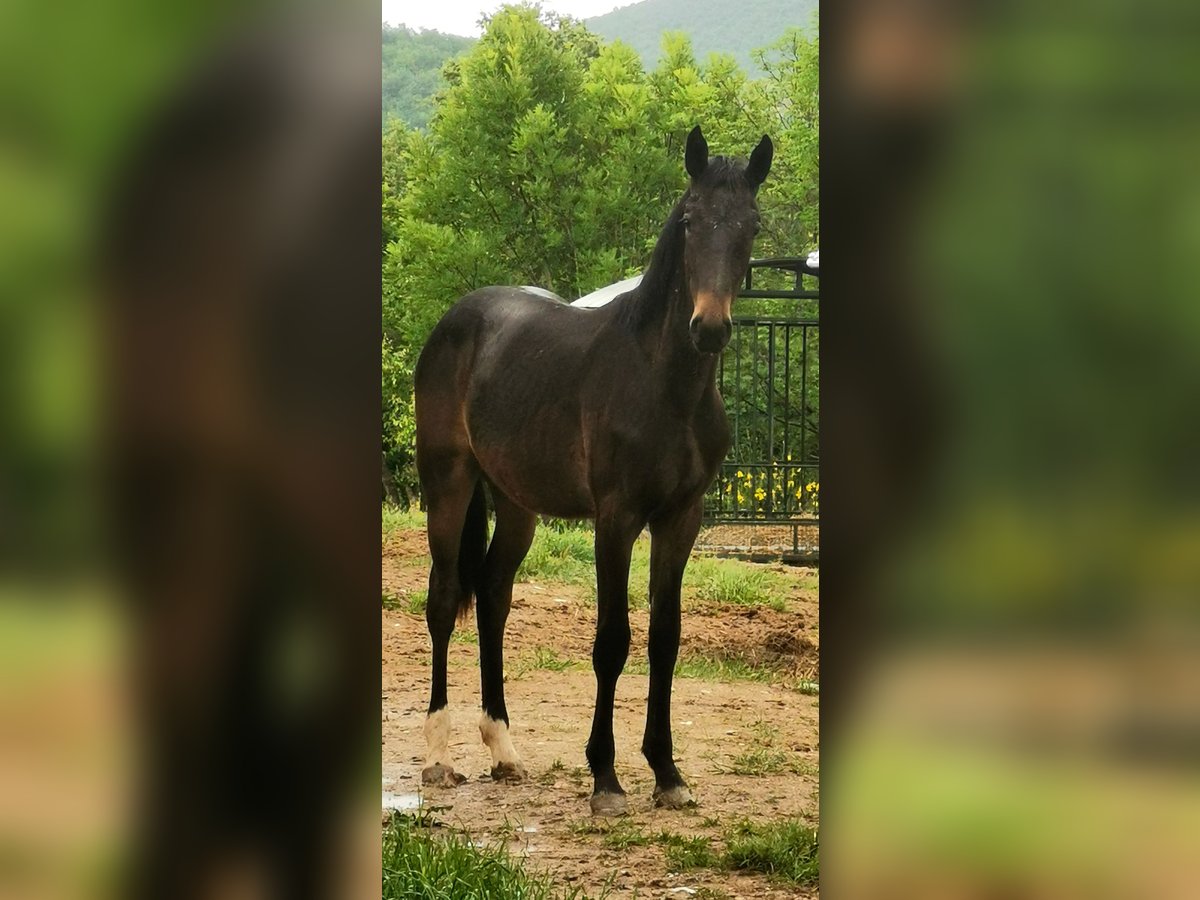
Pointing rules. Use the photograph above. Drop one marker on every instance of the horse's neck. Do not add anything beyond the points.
(660, 311)
(686, 374)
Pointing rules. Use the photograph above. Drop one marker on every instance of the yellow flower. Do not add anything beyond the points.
(760, 495)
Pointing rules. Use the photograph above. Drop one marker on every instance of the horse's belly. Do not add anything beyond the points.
(551, 489)
(539, 466)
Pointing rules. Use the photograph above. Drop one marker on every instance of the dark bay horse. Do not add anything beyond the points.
(610, 414)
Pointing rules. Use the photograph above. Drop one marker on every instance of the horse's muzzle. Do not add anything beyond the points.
(710, 336)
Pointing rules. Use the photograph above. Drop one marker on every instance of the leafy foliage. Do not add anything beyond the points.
(552, 159)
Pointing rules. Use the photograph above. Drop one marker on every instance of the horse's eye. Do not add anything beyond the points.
(685, 222)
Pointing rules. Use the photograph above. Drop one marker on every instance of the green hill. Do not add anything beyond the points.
(412, 60)
(412, 67)
(713, 25)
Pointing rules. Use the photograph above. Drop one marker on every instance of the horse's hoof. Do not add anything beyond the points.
(607, 803)
(441, 776)
(674, 797)
(508, 772)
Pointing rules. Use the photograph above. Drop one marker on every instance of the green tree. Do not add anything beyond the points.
(788, 98)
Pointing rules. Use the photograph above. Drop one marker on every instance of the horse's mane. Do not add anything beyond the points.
(645, 302)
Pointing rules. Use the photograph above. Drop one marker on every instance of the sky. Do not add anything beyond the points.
(462, 16)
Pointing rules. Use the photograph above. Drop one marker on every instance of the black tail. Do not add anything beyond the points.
(472, 549)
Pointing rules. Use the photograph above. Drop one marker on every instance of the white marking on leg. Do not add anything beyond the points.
(437, 738)
(495, 735)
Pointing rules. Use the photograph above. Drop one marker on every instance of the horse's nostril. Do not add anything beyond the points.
(695, 324)
(728, 328)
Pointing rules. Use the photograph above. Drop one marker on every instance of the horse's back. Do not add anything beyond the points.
(469, 323)
(502, 375)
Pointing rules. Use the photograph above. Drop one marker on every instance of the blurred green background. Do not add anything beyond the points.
(76, 81)
(1028, 722)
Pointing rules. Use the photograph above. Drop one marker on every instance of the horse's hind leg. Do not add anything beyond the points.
(456, 513)
(514, 534)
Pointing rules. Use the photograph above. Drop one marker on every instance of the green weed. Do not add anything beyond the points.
(540, 658)
(724, 581)
(763, 761)
(787, 850)
(412, 602)
(617, 835)
(420, 865)
(563, 556)
(397, 519)
(684, 853)
(711, 668)
(767, 759)
(551, 775)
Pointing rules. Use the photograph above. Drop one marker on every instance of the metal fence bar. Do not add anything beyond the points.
(764, 479)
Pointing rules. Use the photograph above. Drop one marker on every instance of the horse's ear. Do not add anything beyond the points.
(760, 162)
(695, 157)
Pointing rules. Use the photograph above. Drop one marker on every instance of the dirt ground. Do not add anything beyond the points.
(546, 819)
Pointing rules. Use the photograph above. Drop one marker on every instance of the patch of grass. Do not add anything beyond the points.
(412, 602)
(714, 668)
(639, 574)
(624, 835)
(540, 658)
(727, 581)
(568, 555)
(464, 636)
(787, 850)
(763, 761)
(421, 865)
(711, 668)
(565, 556)
(551, 775)
(397, 519)
(546, 658)
(617, 834)
(506, 829)
(766, 759)
(711, 580)
(804, 767)
(683, 853)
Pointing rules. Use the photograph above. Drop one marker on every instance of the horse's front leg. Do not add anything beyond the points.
(615, 535)
(671, 543)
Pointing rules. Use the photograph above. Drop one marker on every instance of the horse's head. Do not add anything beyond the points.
(719, 218)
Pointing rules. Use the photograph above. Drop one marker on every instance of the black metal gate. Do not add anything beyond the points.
(766, 499)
